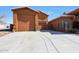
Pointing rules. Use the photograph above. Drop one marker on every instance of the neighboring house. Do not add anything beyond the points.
(26, 19)
(68, 22)
(62, 23)
(76, 19)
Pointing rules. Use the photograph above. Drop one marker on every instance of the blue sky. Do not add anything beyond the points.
(52, 11)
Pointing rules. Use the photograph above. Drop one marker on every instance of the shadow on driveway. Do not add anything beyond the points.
(57, 32)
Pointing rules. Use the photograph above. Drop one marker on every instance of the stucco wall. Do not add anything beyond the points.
(58, 24)
(23, 20)
(28, 20)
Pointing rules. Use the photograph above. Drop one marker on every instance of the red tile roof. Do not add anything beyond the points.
(74, 12)
(66, 16)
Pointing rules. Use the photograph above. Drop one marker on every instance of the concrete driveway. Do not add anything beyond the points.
(39, 42)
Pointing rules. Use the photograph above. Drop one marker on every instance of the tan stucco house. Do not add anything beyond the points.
(27, 19)
(67, 23)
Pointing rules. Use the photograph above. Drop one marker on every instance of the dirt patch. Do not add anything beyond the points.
(4, 33)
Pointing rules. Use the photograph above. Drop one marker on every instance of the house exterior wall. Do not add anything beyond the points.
(54, 24)
(24, 20)
(76, 19)
(42, 21)
(28, 20)
(62, 24)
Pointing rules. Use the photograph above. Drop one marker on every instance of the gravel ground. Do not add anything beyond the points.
(39, 42)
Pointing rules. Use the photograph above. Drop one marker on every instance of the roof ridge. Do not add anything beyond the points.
(37, 11)
(24, 8)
